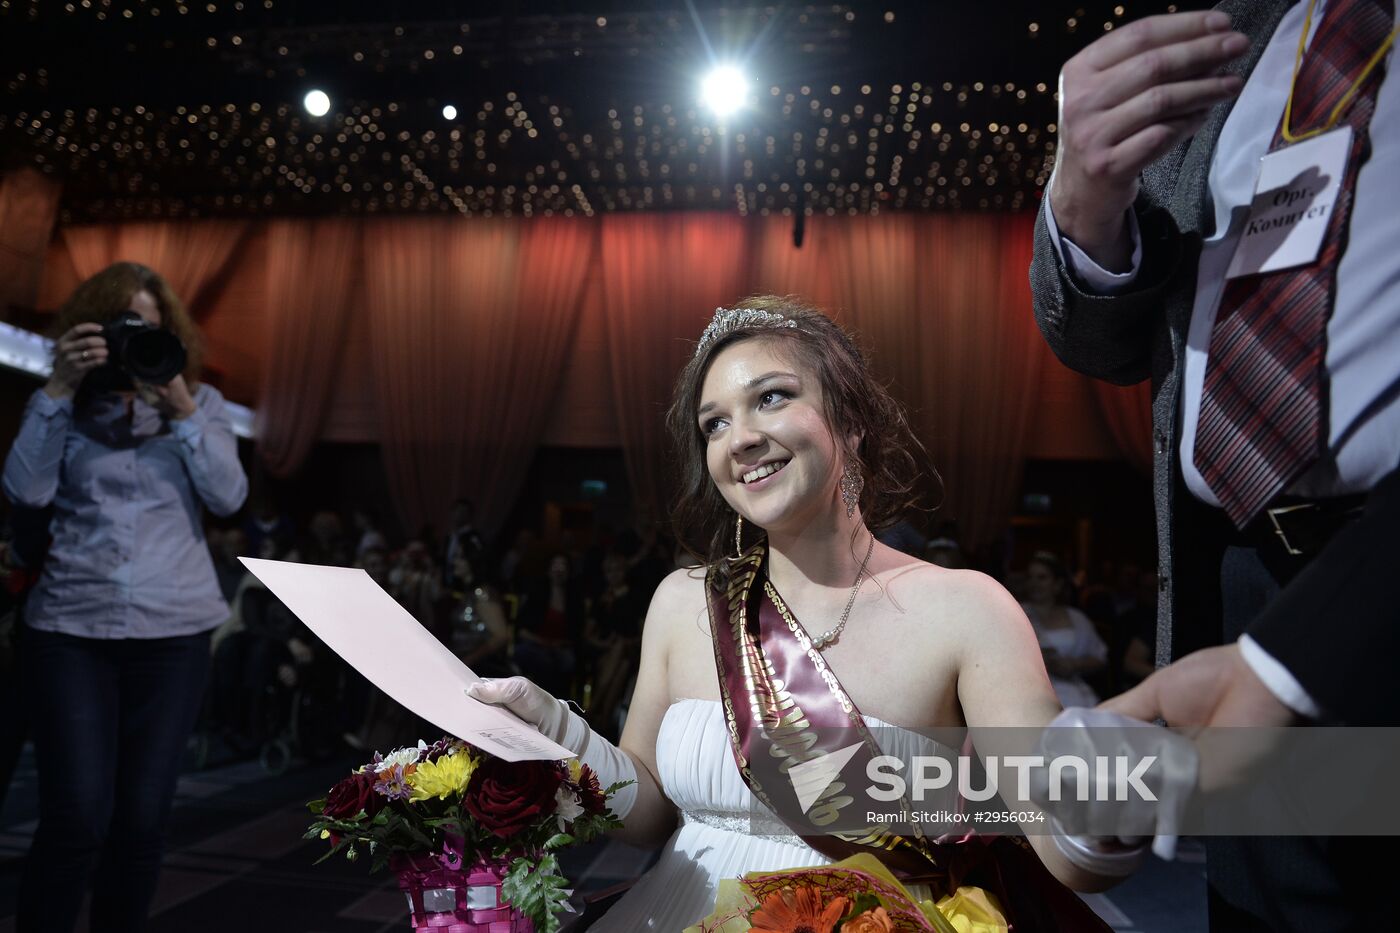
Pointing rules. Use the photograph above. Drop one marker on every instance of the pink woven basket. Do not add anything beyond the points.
(461, 899)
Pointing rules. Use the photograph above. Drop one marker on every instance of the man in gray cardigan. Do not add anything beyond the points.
(1152, 189)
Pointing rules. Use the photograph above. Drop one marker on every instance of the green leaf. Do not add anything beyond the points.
(558, 841)
(538, 893)
(861, 903)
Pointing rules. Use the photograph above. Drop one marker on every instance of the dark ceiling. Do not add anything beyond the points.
(152, 108)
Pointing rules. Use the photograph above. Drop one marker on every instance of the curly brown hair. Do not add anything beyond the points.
(103, 296)
(854, 404)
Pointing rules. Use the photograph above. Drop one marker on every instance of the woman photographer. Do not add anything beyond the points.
(116, 634)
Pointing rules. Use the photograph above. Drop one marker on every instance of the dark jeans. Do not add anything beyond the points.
(110, 719)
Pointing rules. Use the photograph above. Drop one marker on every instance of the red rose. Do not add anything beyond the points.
(506, 796)
(352, 795)
(590, 792)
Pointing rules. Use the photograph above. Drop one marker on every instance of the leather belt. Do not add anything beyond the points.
(1301, 528)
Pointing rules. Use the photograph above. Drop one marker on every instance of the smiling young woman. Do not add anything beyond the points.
(808, 627)
(809, 361)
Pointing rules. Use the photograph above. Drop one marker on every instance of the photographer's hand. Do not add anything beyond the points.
(79, 351)
(172, 399)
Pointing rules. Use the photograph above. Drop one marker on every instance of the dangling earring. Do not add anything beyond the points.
(738, 536)
(851, 485)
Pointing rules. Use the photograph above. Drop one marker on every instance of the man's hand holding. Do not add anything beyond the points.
(1125, 100)
(1214, 688)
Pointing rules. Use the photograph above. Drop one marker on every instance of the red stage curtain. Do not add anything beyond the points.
(470, 321)
(550, 284)
(312, 267)
(28, 207)
(663, 277)
(993, 354)
(942, 305)
(782, 269)
(192, 255)
(1127, 410)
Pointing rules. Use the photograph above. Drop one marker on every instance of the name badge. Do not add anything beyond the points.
(1292, 205)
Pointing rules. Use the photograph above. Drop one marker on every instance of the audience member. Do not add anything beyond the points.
(366, 524)
(1138, 627)
(325, 542)
(463, 538)
(1068, 640)
(478, 631)
(944, 552)
(551, 620)
(416, 584)
(614, 634)
(515, 562)
(267, 522)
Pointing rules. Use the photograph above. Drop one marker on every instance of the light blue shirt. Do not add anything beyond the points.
(128, 558)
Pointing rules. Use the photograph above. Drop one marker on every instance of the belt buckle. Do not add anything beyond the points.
(1274, 514)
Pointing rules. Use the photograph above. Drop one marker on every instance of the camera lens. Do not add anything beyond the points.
(138, 351)
(154, 356)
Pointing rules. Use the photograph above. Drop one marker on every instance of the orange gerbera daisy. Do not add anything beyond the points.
(797, 910)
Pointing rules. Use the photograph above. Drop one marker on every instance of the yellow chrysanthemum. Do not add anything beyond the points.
(442, 778)
(575, 769)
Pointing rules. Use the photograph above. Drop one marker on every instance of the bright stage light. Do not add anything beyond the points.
(449, 112)
(317, 103)
(725, 90)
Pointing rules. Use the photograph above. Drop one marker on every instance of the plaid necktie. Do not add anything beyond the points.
(1261, 421)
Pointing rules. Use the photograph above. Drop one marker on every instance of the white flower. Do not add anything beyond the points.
(402, 756)
(567, 806)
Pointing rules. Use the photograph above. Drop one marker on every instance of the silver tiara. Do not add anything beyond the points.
(727, 320)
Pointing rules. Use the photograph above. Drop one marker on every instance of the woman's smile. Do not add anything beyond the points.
(762, 476)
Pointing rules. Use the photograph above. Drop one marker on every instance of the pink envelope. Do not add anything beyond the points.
(379, 638)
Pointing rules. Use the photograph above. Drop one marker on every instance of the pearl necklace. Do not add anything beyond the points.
(822, 641)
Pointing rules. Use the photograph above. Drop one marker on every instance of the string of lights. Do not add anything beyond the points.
(356, 118)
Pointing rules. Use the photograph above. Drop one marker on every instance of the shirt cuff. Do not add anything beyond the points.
(191, 429)
(42, 403)
(1279, 679)
(1091, 276)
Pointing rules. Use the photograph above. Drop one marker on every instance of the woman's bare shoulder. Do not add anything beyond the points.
(966, 601)
(679, 598)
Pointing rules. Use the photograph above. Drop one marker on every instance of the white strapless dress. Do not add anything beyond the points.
(697, 772)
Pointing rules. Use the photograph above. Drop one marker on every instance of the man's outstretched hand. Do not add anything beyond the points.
(1212, 687)
(1215, 696)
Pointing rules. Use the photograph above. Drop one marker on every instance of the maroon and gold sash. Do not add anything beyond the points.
(784, 706)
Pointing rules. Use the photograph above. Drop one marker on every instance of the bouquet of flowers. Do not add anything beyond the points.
(471, 836)
(855, 895)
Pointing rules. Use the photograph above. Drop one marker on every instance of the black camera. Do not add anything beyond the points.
(137, 350)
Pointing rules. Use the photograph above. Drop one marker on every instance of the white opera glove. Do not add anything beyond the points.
(560, 724)
(1118, 825)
